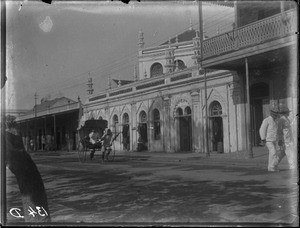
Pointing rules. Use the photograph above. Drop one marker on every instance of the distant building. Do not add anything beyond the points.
(164, 109)
(15, 112)
(56, 120)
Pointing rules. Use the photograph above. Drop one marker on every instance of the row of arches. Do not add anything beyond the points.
(125, 129)
(156, 69)
(145, 122)
(154, 125)
(142, 128)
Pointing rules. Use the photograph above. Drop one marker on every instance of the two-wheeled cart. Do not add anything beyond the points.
(84, 145)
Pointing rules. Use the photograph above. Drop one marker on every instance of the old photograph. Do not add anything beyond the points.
(149, 113)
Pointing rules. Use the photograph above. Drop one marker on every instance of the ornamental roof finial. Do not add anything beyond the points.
(135, 74)
(141, 39)
(191, 24)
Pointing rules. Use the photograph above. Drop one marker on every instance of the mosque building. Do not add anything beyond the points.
(238, 80)
(192, 93)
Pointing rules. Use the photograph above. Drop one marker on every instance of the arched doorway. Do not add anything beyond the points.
(142, 131)
(184, 119)
(260, 106)
(156, 124)
(126, 132)
(216, 127)
(115, 122)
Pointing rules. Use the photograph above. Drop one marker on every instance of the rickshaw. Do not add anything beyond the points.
(85, 147)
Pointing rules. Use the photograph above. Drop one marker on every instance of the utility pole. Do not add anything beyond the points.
(35, 121)
(248, 121)
(202, 70)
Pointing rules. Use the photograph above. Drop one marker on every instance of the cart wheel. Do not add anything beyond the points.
(111, 155)
(82, 152)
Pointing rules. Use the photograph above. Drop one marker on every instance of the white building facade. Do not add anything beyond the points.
(164, 109)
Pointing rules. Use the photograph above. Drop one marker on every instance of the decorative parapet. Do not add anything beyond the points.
(265, 30)
(102, 96)
(165, 79)
(180, 77)
(151, 84)
(120, 92)
(274, 27)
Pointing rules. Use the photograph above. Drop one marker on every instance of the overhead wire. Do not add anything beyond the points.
(106, 69)
(126, 58)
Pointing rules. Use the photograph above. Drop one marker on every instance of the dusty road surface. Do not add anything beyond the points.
(151, 190)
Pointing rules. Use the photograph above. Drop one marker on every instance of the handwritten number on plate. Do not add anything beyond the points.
(31, 211)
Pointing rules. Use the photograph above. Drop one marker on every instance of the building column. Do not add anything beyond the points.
(235, 94)
(45, 131)
(196, 121)
(167, 125)
(54, 128)
(248, 117)
(27, 137)
(133, 141)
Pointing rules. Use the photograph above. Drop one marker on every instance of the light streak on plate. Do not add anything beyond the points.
(46, 25)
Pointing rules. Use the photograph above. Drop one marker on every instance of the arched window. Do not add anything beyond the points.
(143, 117)
(125, 118)
(156, 70)
(115, 120)
(156, 123)
(187, 111)
(216, 109)
(180, 64)
(179, 112)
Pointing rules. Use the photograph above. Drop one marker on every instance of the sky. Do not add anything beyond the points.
(52, 49)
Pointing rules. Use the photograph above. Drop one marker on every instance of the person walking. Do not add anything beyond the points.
(268, 133)
(107, 139)
(285, 138)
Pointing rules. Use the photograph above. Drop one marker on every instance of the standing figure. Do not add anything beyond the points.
(31, 144)
(107, 139)
(94, 142)
(268, 134)
(48, 142)
(27, 144)
(285, 137)
(67, 141)
(43, 142)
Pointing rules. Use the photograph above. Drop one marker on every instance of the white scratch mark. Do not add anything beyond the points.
(47, 24)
